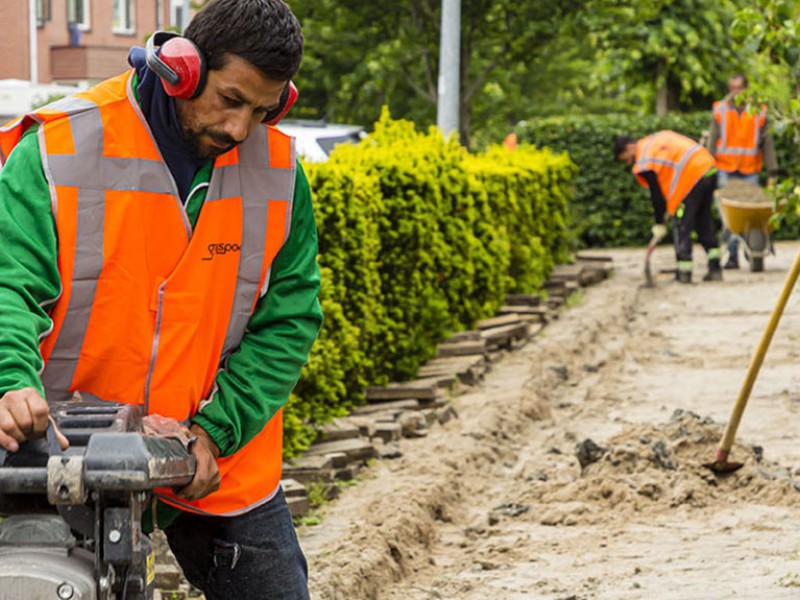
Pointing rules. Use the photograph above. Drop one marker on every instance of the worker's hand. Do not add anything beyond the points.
(24, 414)
(206, 475)
(659, 232)
(771, 181)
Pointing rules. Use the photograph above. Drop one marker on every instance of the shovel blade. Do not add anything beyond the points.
(723, 467)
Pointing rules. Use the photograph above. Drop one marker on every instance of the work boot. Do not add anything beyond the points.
(683, 276)
(732, 262)
(714, 270)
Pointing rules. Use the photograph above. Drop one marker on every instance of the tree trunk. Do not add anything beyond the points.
(667, 93)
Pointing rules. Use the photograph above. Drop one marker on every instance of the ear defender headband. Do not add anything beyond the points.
(182, 70)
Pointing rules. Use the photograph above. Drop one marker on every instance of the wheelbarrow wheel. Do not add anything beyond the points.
(756, 246)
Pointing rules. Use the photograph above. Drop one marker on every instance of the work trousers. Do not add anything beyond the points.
(254, 556)
(694, 214)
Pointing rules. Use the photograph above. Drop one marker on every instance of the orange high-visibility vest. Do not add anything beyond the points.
(739, 136)
(678, 162)
(151, 308)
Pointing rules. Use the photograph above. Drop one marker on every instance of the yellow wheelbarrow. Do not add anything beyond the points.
(746, 210)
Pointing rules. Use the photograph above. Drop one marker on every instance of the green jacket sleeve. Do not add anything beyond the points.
(261, 374)
(29, 278)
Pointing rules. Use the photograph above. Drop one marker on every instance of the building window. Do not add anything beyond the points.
(42, 12)
(123, 16)
(78, 13)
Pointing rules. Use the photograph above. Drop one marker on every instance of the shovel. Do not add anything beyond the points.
(649, 282)
(721, 465)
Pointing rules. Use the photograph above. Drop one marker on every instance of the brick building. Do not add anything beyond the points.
(79, 40)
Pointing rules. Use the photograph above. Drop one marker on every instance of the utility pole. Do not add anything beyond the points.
(449, 83)
(34, 43)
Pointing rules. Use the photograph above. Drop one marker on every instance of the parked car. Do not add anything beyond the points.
(316, 139)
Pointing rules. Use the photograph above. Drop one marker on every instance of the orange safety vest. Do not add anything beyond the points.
(739, 136)
(150, 309)
(678, 162)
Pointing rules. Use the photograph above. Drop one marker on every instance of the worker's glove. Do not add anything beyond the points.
(659, 232)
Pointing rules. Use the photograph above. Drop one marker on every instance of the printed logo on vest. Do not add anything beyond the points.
(217, 249)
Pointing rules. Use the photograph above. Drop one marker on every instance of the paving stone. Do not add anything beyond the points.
(386, 432)
(167, 576)
(292, 487)
(462, 348)
(494, 322)
(306, 476)
(396, 405)
(585, 256)
(567, 273)
(539, 312)
(356, 449)
(299, 505)
(523, 299)
(420, 389)
(337, 430)
(464, 336)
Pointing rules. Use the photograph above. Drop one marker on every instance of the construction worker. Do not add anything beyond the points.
(740, 141)
(681, 175)
(159, 249)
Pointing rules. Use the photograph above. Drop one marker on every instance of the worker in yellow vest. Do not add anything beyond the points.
(681, 175)
(740, 141)
(159, 249)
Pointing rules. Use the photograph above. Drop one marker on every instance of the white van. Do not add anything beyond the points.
(316, 139)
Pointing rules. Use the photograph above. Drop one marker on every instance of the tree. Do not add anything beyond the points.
(676, 51)
(769, 29)
(361, 56)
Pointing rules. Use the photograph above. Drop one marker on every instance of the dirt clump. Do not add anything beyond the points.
(652, 469)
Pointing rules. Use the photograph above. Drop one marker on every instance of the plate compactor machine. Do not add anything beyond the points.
(72, 520)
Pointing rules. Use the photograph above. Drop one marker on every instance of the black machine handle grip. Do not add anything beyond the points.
(53, 447)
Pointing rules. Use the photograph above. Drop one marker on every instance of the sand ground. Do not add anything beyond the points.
(496, 503)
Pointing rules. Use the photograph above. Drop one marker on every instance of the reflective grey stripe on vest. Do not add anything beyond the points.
(255, 183)
(92, 174)
(680, 166)
(643, 160)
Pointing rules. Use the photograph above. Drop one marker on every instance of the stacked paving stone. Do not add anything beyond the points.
(408, 410)
(567, 279)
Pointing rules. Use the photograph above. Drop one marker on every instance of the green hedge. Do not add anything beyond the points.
(419, 239)
(610, 208)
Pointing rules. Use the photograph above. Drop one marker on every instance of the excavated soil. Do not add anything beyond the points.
(575, 470)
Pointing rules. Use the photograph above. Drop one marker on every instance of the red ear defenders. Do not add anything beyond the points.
(182, 70)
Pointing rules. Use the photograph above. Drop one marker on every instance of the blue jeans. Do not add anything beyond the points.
(722, 181)
(254, 556)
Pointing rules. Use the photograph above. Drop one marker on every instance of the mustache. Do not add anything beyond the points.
(222, 139)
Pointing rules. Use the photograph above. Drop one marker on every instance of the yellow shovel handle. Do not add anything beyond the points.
(758, 358)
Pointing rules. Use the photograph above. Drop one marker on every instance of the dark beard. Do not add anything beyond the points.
(192, 141)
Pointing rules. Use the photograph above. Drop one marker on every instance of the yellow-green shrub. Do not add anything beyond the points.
(418, 239)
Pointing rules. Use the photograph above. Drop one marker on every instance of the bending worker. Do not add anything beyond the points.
(681, 175)
(740, 141)
(160, 250)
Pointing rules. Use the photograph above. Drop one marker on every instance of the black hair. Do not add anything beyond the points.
(741, 76)
(621, 144)
(265, 33)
